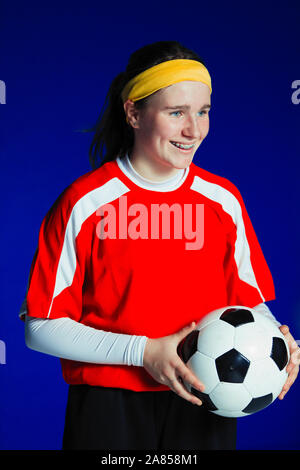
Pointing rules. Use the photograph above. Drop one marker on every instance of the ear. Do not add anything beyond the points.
(132, 114)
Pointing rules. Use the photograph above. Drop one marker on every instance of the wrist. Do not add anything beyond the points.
(147, 349)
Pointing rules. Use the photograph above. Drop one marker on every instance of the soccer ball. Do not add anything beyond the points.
(240, 356)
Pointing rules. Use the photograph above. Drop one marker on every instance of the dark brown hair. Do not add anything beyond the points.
(112, 135)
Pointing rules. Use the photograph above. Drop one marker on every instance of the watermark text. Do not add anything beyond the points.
(2, 92)
(161, 221)
(296, 94)
(2, 352)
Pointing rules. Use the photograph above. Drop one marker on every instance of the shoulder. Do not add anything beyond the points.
(87, 183)
(82, 189)
(93, 179)
(221, 192)
(215, 185)
(214, 179)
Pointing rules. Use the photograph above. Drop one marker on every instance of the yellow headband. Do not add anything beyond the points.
(163, 75)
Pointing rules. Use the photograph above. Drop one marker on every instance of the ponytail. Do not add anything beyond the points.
(112, 135)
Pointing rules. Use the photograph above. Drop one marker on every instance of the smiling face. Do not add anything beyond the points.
(173, 117)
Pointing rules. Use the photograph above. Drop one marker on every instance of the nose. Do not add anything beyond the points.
(192, 128)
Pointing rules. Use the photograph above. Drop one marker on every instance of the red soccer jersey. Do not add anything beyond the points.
(117, 257)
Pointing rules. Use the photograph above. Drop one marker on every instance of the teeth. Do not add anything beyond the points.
(182, 146)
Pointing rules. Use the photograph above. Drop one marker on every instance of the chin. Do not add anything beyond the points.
(184, 162)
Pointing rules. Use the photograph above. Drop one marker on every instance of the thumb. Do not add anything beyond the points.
(185, 330)
(284, 329)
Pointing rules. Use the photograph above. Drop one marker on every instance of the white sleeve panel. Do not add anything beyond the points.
(264, 310)
(69, 339)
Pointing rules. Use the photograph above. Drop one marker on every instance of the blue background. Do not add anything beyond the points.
(57, 61)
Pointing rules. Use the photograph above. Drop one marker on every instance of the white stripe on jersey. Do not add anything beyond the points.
(231, 206)
(83, 209)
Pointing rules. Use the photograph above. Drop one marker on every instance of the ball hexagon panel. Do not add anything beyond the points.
(278, 387)
(264, 377)
(212, 316)
(252, 341)
(230, 397)
(205, 369)
(215, 339)
(267, 323)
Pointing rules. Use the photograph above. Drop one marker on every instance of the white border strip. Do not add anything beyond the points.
(231, 206)
(81, 211)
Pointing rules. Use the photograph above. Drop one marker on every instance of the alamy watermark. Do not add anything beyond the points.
(161, 221)
(296, 94)
(2, 352)
(2, 92)
(295, 97)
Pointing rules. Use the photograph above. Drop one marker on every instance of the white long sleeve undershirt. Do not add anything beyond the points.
(69, 339)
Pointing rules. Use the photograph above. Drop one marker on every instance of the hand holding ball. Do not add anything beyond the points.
(240, 356)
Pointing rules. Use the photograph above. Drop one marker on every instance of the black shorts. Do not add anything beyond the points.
(117, 419)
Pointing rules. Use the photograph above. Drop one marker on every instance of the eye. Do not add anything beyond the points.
(203, 113)
(178, 113)
(175, 112)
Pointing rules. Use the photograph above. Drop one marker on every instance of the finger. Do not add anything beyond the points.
(290, 380)
(293, 346)
(180, 390)
(296, 356)
(292, 376)
(290, 367)
(185, 331)
(288, 336)
(187, 375)
(284, 329)
(292, 343)
(294, 360)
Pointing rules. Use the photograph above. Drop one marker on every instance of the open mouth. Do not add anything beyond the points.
(184, 148)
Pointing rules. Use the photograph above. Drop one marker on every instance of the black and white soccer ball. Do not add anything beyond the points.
(240, 356)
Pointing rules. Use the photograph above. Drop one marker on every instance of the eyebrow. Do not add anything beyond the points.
(184, 106)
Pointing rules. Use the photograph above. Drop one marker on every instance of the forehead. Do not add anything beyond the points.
(182, 93)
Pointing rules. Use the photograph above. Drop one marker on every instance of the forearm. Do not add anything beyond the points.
(68, 339)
